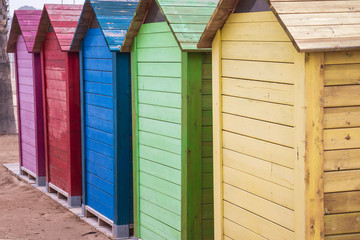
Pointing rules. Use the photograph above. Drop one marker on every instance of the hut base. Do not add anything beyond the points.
(40, 181)
(121, 231)
(72, 201)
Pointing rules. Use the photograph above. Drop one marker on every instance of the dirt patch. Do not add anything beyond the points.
(25, 213)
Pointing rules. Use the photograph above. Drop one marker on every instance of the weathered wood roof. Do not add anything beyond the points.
(25, 22)
(113, 16)
(313, 26)
(63, 19)
(187, 20)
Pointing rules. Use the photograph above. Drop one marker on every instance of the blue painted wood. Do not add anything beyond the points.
(114, 18)
(122, 136)
(98, 112)
(83, 165)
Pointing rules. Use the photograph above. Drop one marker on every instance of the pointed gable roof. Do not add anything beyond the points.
(26, 23)
(63, 19)
(113, 16)
(312, 26)
(187, 20)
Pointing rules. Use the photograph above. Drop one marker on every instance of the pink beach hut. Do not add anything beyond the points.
(29, 93)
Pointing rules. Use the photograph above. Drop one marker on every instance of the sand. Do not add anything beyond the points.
(25, 213)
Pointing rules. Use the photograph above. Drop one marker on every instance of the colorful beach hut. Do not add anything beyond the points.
(106, 112)
(29, 93)
(172, 124)
(61, 94)
(286, 99)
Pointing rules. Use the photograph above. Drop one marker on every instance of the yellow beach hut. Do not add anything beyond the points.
(286, 119)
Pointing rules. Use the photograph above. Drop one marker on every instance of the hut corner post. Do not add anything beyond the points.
(122, 143)
(191, 118)
(82, 106)
(134, 107)
(314, 163)
(217, 136)
(74, 108)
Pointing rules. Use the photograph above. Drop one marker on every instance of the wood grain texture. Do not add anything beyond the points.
(24, 22)
(314, 146)
(64, 28)
(113, 18)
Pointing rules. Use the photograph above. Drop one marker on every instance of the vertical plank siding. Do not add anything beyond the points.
(258, 129)
(341, 144)
(58, 132)
(99, 127)
(158, 133)
(26, 105)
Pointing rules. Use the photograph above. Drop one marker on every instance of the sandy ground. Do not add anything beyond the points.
(25, 213)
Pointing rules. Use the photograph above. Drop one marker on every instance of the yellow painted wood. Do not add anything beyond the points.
(274, 133)
(250, 146)
(258, 90)
(299, 153)
(260, 206)
(276, 113)
(251, 17)
(257, 186)
(342, 117)
(255, 223)
(343, 138)
(255, 70)
(343, 74)
(254, 31)
(236, 231)
(259, 51)
(268, 171)
(341, 159)
(342, 181)
(217, 137)
(314, 146)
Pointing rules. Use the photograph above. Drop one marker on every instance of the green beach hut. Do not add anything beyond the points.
(172, 119)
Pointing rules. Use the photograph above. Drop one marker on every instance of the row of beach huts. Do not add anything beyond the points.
(195, 119)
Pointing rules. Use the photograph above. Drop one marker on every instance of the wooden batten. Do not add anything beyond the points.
(314, 163)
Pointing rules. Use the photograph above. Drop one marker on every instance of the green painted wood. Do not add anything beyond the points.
(162, 186)
(135, 145)
(165, 99)
(160, 84)
(169, 54)
(167, 129)
(174, 205)
(160, 156)
(191, 145)
(161, 171)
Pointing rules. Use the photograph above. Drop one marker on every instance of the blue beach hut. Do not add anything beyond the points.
(106, 112)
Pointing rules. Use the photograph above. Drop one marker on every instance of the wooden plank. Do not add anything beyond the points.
(256, 223)
(341, 181)
(342, 96)
(342, 202)
(259, 206)
(314, 147)
(217, 136)
(343, 57)
(235, 231)
(342, 117)
(270, 71)
(278, 195)
(270, 112)
(343, 237)
(342, 223)
(343, 138)
(271, 172)
(274, 133)
(250, 146)
(341, 160)
(342, 74)
(257, 90)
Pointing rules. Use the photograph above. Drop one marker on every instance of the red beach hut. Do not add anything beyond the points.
(61, 93)
(29, 93)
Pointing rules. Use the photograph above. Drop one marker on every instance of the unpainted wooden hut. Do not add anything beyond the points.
(172, 126)
(61, 94)
(29, 93)
(105, 82)
(286, 100)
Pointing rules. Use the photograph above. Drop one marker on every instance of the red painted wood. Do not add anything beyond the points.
(62, 115)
